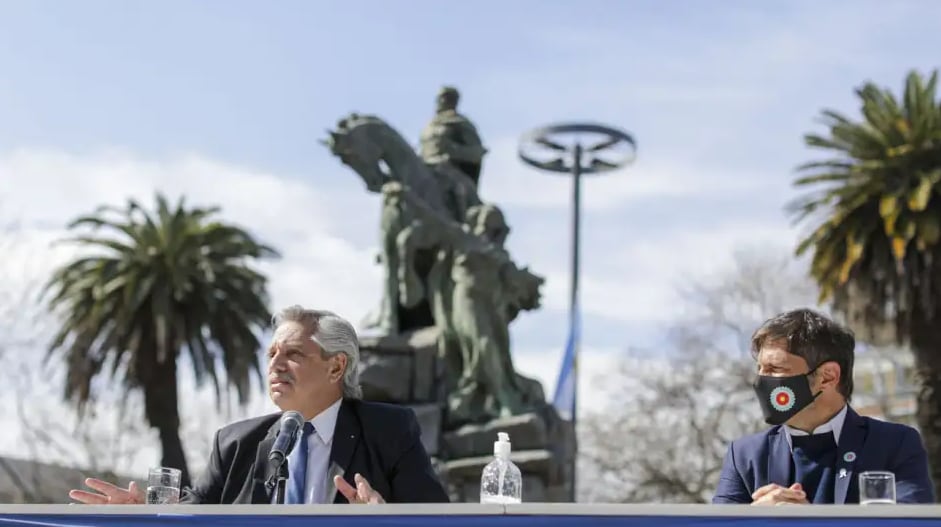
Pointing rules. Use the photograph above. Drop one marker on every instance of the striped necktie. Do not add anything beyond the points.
(297, 483)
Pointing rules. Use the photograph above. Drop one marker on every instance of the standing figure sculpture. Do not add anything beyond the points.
(478, 292)
(451, 138)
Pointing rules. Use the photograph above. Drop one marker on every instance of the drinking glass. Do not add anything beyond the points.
(163, 486)
(877, 488)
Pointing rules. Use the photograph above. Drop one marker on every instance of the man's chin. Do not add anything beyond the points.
(279, 396)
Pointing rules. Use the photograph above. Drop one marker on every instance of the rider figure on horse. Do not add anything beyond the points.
(451, 138)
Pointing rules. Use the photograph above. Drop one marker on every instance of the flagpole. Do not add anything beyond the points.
(573, 300)
(544, 139)
(573, 306)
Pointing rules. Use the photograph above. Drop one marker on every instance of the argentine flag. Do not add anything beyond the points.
(564, 400)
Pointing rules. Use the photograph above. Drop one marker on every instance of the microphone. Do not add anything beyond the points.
(291, 422)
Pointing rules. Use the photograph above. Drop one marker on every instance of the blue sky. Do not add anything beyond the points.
(225, 101)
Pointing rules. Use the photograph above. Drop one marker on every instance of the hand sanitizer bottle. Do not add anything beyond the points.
(501, 481)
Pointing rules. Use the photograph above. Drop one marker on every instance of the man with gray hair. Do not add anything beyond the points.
(349, 450)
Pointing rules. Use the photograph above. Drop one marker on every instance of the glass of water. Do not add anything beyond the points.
(163, 486)
(877, 488)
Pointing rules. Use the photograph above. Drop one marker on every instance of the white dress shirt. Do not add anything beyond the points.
(835, 425)
(318, 454)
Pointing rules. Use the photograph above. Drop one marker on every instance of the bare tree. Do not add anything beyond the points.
(50, 437)
(19, 312)
(720, 312)
(668, 438)
(665, 434)
(109, 441)
(17, 326)
(105, 440)
(59, 450)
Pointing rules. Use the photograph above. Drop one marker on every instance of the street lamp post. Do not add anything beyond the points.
(559, 149)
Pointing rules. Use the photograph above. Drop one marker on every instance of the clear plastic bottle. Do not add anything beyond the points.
(501, 481)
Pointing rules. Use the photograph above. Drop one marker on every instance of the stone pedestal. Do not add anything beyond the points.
(401, 368)
(405, 369)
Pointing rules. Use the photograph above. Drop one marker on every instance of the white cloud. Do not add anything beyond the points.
(45, 189)
(637, 281)
(508, 182)
(594, 363)
(321, 264)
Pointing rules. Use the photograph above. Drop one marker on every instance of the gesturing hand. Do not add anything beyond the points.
(362, 493)
(108, 494)
(774, 494)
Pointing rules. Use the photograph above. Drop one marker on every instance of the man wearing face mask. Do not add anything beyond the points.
(817, 445)
(348, 451)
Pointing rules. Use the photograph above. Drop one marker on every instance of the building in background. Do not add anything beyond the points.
(885, 387)
(27, 481)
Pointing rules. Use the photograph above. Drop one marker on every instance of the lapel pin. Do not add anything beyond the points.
(849, 457)
(842, 473)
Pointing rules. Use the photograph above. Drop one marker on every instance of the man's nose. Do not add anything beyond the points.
(277, 362)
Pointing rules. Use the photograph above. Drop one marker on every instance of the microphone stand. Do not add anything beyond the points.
(279, 481)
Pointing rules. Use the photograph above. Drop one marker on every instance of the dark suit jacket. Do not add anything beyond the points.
(380, 441)
(865, 444)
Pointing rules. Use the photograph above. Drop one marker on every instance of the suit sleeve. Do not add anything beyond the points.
(413, 479)
(912, 480)
(731, 488)
(208, 487)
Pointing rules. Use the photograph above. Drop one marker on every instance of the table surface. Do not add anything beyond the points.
(474, 509)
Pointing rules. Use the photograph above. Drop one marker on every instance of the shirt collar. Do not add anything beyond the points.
(835, 425)
(326, 421)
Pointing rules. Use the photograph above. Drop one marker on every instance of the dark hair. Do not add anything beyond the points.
(813, 337)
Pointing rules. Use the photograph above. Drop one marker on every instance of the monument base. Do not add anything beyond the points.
(405, 369)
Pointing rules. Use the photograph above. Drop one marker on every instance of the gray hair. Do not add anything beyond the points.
(334, 335)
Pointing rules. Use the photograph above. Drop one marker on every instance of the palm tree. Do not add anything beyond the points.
(875, 209)
(152, 287)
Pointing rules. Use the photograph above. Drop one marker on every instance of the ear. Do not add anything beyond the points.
(337, 367)
(828, 375)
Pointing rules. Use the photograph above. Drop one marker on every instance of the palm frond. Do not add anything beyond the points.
(178, 280)
(875, 206)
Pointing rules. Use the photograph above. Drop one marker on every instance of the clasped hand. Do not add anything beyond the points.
(774, 494)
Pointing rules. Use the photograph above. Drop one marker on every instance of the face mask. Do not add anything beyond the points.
(782, 397)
